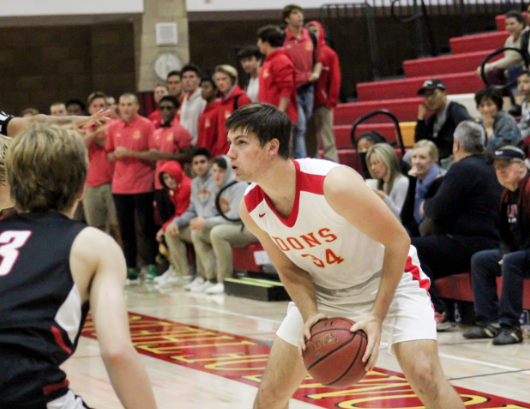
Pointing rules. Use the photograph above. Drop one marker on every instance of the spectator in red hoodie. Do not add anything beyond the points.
(327, 91)
(161, 90)
(208, 118)
(277, 75)
(232, 97)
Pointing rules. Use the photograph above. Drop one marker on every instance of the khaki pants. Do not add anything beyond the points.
(178, 254)
(204, 252)
(222, 238)
(99, 207)
(321, 126)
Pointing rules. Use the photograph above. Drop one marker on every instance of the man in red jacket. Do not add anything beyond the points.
(277, 75)
(208, 118)
(327, 91)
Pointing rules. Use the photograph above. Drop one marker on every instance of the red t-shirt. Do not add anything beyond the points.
(100, 168)
(208, 126)
(131, 175)
(277, 80)
(155, 118)
(226, 108)
(302, 53)
(170, 139)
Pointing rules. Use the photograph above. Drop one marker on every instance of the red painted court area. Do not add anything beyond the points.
(243, 359)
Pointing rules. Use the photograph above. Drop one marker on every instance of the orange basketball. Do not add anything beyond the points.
(333, 355)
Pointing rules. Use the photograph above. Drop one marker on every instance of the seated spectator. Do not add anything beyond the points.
(213, 237)
(232, 97)
(208, 118)
(251, 59)
(392, 186)
(363, 144)
(58, 109)
(161, 90)
(441, 124)
(509, 261)
(423, 174)
(523, 86)
(463, 212)
(506, 69)
(178, 232)
(178, 186)
(501, 128)
(76, 107)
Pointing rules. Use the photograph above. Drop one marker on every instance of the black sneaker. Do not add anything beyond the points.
(489, 331)
(509, 336)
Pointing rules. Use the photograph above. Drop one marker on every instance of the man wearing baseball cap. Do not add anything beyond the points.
(439, 126)
(500, 319)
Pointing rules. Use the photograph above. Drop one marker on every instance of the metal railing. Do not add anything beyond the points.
(384, 112)
(508, 85)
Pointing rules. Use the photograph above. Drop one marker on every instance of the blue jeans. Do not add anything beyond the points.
(304, 97)
(484, 270)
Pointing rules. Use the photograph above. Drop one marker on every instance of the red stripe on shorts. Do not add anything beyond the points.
(413, 269)
(59, 339)
(52, 388)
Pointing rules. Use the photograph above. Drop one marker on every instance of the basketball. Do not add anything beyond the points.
(333, 355)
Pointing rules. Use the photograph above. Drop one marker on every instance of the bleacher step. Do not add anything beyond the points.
(256, 289)
(478, 42)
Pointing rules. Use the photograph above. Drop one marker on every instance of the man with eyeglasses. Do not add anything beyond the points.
(440, 126)
(499, 318)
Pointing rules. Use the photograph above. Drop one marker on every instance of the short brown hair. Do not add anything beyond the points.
(287, 10)
(4, 146)
(95, 95)
(46, 168)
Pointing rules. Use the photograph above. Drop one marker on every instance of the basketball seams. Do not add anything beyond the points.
(332, 352)
(362, 335)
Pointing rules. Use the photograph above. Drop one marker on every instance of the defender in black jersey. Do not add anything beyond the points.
(51, 268)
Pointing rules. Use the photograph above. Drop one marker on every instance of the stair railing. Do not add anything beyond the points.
(384, 112)
(524, 55)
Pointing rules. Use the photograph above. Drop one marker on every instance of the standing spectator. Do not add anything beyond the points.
(98, 203)
(511, 261)
(440, 126)
(112, 107)
(501, 128)
(392, 185)
(178, 232)
(192, 102)
(161, 90)
(463, 212)
(58, 109)
(174, 84)
(251, 59)
(327, 90)
(302, 48)
(523, 86)
(129, 140)
(75, 107)
(277, 75)
(208, 119)
(232, 97)
(507, 68)
(171, 142)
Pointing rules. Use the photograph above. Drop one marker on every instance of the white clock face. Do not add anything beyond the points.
(165, 63)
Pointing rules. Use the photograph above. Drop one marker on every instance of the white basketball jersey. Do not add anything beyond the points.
(335, 253)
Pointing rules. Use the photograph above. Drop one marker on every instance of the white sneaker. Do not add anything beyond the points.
(202, 287)
(218, 288)
(164, 276)
(196, 282)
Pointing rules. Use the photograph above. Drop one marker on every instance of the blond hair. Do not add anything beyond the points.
(4, 146)
(46, 168)
(430, 146)
(388, 156)
(228, 70)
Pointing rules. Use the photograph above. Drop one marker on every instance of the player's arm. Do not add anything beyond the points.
(296, 281)
(350, 197)
(129, 379)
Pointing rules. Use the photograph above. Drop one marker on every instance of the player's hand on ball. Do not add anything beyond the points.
(372, 326)
(306, 331)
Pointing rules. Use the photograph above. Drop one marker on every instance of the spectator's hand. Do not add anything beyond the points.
(487, 121)
(422, 209)
(413, 172)
(380, 193)
(173, 230)
(98, 118)
(306, 331)
(372, 326)
(198, 224)
(501, 260)
(121, 152)
(160, 235)
(313, 77)
(486, 69)
(422, 112)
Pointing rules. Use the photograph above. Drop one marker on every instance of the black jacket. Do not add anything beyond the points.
(456, 113)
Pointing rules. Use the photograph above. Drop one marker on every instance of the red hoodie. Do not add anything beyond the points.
(208, 126)
(277, 80)
(328, 85)
(226, 107)
(182, 194)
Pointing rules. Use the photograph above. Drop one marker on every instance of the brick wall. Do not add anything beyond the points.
(42, 65)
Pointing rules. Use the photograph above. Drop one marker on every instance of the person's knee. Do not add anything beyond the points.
(513, 261)
(424, 375)
(217, 233)
(270, 396)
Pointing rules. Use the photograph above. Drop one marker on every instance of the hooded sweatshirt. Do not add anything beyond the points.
(201, 200)
(327, 88)
(182, 194)
(229, 200)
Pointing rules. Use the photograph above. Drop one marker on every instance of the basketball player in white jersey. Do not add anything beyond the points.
(339, 251)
